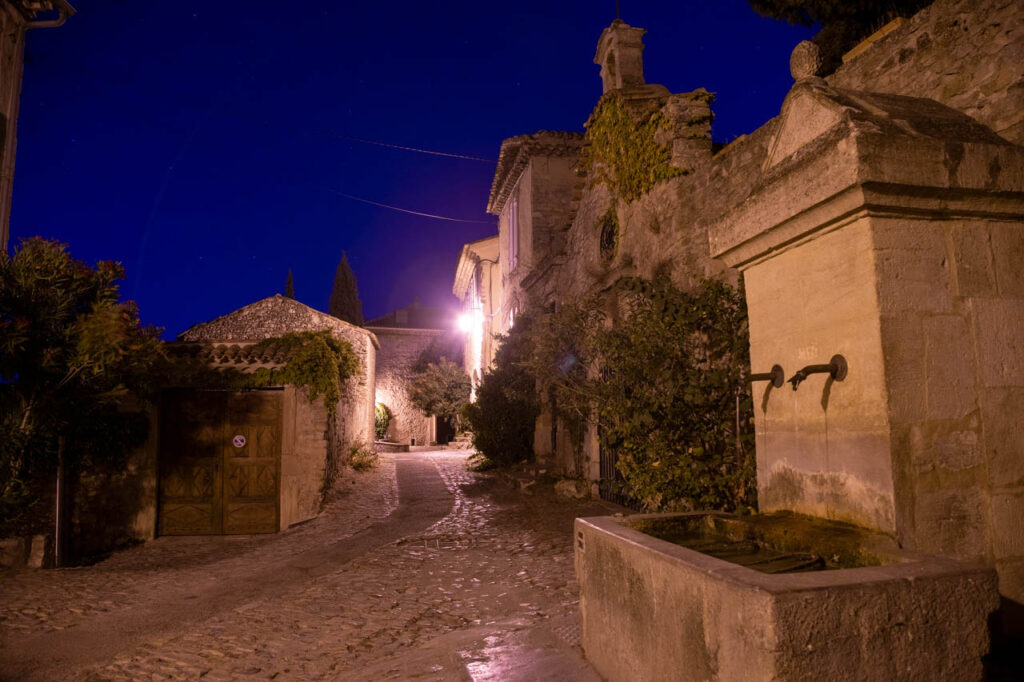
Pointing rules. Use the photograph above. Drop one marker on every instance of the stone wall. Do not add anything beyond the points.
(399, 351)
(966, 54)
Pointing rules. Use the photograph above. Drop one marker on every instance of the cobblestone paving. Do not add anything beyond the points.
(488, 592)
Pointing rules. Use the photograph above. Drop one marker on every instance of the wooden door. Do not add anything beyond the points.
(220, 459)
(252, 456)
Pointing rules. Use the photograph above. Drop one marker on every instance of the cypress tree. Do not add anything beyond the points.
(344, 302)
(289, 286)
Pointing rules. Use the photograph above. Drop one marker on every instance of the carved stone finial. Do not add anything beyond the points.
(805, 62)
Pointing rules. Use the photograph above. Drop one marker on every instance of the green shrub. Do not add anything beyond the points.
(381, 420)
(362, 457)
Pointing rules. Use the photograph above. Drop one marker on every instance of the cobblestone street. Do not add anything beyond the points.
(419, 569)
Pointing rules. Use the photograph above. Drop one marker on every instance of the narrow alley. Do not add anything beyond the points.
(419, 569)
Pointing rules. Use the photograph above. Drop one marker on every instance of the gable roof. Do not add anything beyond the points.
(271, 317)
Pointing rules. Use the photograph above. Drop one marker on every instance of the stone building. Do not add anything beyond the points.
(279, 446)
(409, 336)
(478, 288)
(880, 216)
(16, 17)
(222, 461)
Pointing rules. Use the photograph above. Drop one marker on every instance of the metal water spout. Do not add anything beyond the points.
(836, 369)
(776, 376)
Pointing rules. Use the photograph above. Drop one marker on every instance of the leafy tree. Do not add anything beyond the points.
(673, 400)
(663, 378)
(70, 353)
(442, 389)
(843, 23)
(289, 286)
(503, 417)
(344, 302)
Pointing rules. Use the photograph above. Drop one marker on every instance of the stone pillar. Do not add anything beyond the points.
(890, 230)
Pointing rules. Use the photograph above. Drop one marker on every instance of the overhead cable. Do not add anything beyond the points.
(405, 210)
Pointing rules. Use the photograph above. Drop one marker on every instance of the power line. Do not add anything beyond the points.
(405, 210)
(415, 149)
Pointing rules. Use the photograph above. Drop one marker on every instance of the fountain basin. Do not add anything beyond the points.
(652, 609)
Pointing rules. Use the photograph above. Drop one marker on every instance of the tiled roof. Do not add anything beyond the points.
(268, 318)
(516, 152)
(244, 357)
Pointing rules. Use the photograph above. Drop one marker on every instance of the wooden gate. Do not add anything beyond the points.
(220, 462)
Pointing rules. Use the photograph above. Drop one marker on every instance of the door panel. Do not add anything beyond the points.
(220, 462)
(252, 470)
(190, 463)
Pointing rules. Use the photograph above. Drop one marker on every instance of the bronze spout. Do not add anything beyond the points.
(776, 376)
(836, 369)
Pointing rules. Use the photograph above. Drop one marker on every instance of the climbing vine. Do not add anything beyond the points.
(623, 151)
(315, 360)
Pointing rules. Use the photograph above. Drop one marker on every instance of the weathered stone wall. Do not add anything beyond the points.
(966, 54)
(652, 610)
(399, 350)
(891, 230)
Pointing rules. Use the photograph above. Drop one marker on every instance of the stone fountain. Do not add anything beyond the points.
(888, 230)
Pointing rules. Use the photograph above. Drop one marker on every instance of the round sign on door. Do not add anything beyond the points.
(238, 441)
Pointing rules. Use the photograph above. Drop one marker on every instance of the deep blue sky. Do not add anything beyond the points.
(204, 144)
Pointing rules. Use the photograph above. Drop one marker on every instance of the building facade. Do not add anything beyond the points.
(16, 17)
(478, 288)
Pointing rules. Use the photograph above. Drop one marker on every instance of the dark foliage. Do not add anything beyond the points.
(506, 408)
(844, 23)
(72, 360)
(344, 302)
(289, 286)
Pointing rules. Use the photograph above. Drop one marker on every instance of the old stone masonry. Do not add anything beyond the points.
(420, 569)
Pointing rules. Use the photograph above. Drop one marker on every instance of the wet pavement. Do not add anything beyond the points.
(419, 569)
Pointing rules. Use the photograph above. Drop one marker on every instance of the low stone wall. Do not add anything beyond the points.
(652, 610)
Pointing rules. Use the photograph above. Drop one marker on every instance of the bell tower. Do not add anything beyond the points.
(620, 56)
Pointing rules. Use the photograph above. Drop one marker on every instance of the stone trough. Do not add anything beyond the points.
(655, 610)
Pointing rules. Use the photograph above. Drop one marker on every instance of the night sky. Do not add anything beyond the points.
(207, 145)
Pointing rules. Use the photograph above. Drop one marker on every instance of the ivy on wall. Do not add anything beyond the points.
(623, 151)
(315, 360)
